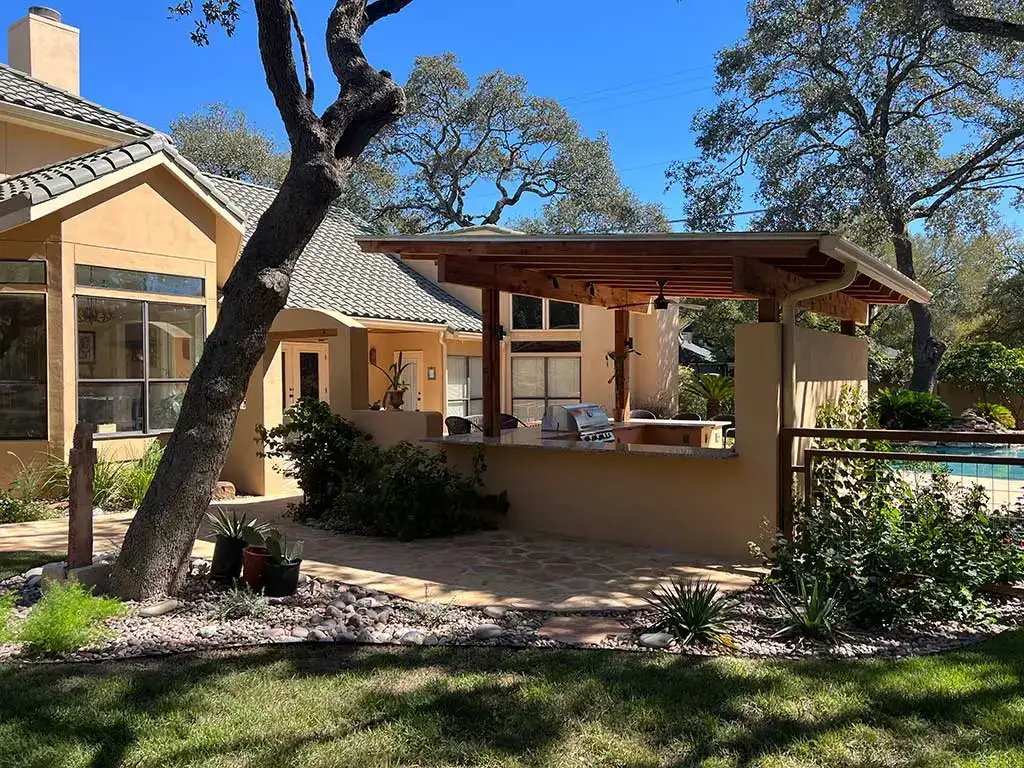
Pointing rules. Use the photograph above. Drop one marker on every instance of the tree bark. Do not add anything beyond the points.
(156, 549)
(927, 350)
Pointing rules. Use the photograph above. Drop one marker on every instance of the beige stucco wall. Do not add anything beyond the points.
(23, 148)
(387, 344)
(391, 427)
(825, 364)
(959, 400)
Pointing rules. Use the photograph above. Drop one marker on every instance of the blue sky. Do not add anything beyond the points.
(636, 70)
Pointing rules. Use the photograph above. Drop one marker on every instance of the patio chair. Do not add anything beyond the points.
(729, 431)
(688, 416)
(641, 415)
(459, 426)
(508, 421)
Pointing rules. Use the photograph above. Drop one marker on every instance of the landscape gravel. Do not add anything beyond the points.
(334, 612)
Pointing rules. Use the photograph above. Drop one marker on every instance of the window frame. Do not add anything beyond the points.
(147, 380)
(22, 284)
(466, 401)
(545, 315)
(547, 396)
(24, 289)
(150, 290)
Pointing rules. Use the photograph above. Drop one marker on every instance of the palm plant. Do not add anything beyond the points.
(693, 611)
(715, 389)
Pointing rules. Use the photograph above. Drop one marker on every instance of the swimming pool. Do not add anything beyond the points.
(982, 471)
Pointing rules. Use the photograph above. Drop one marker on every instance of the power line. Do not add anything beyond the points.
(629, 83)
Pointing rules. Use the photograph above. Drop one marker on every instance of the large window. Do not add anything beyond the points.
(465, 386)
(145, 282)
(22, 366)
(532, 314)
(134, 361)
(23, 272)
(538, 382)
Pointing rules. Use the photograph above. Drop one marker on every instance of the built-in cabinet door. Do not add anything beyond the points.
(306, 372)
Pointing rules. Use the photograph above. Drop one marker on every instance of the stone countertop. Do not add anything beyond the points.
(667, 423)
(532, 437)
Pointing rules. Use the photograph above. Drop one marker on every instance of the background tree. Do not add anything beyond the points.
(323, 147)
(845, 112)
(467, 153)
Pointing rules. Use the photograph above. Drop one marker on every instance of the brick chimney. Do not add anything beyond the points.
(41, 46)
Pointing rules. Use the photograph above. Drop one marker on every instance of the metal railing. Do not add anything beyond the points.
(813, 454)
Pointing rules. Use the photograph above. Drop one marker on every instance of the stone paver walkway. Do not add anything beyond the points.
(520, 570)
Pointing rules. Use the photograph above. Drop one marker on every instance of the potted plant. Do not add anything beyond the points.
(395, 394)
(282, 569)
(230, 531)
(254, 558)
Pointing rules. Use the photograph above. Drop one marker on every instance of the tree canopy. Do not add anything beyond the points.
(861, 116)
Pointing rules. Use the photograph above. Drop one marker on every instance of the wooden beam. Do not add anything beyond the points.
(758, 279)
(512, 280)
(848, 328)
(313, 333)
(768, 311)
(621, 363)
(491, 317)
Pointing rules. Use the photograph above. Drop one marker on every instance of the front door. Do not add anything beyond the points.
(413, 363)
(306, 372)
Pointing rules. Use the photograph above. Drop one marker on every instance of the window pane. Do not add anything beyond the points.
(22, 367)
(527, 312)
(545, 347)
(165, 404)
(476, 408)
(175, 340)
(26, 272)
(457, 408)
(111, 407)
(149, 282)
(562, 314)
(564, 377)
(456, 386)
(476, 377)
(527, 377)
(529, 411)
(109, 339)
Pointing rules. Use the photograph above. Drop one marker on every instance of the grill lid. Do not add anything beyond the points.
(584, 417)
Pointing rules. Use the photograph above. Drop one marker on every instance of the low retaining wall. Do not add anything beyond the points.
(391, 427)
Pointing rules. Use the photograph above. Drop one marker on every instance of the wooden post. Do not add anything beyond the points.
(492, 361)
(621, 361)
(83, 464)
(848, 327)
(767, 311)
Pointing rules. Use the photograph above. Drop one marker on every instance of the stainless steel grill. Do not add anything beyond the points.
(589, 422)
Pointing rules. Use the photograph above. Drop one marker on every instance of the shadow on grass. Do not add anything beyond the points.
(14, 563)
(335, 705)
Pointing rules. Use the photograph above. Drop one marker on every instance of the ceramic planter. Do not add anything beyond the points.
(396, 398)
(226, 566)
(254, 567)
(281, 579)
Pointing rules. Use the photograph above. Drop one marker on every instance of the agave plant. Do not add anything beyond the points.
(715, 389)
(283, 550)
(814, 613)
(693, 611)
(235, 526)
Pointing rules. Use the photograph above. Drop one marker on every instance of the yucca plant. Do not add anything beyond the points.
(814, 613)
(137, 475)
(235, 526)
(716, 390)
(693, 611)
(233, 532)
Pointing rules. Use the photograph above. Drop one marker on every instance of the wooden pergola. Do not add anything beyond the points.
(624, 272)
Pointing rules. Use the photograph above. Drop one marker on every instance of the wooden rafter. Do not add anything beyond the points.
(759, 279)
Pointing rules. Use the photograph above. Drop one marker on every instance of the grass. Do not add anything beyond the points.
(319, 705)
(13, 563)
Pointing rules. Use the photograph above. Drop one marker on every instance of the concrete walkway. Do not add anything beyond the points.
(508, 568)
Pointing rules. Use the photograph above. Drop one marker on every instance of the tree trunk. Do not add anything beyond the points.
(927, 350)
(156, 549)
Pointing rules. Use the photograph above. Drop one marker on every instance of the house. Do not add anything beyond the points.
(113, 248)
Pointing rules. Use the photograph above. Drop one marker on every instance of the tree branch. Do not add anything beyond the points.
(310, 87)
(274, 19)
(982, 25)
(377, 10)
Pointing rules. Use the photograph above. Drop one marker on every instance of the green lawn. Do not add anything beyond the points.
(12, 563)
(339, 706)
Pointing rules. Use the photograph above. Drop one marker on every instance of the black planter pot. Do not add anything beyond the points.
(281, 579)
(227, 559)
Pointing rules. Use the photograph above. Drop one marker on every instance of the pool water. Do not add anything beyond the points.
(983, 471)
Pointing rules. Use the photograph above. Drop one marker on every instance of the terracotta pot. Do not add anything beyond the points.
(282, 579)
(396, 398)
(226, 565)
(254, 567)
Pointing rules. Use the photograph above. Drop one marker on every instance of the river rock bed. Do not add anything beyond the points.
(331, 611)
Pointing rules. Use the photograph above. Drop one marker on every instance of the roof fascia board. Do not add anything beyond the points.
(65, 126)
(378, 324)
(870, 265)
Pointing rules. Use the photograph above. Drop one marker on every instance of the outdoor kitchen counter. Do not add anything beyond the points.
(532, 437)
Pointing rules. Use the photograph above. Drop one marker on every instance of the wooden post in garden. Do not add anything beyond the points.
(83, 464)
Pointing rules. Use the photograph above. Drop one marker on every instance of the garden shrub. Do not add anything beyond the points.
(988, 366)
(18, 510)
(689, 400)
(996, 414)
(66, 618)
(137, 476)
(352, 485)
(907, 409)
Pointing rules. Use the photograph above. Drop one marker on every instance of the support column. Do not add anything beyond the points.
(491, 316)
(621, 361)
(848, 327)
(767, 311)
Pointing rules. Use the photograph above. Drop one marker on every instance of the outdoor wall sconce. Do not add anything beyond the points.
(373, 355)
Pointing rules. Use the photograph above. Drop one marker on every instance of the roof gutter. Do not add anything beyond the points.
(871, 266)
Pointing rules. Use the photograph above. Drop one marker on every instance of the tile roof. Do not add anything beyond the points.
(24, 91)
(43, 184)
(334, 273)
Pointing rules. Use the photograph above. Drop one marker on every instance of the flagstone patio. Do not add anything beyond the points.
(489, 568)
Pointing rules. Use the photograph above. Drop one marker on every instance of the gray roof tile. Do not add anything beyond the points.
(24, 91)
(42, 184)
(334, 273)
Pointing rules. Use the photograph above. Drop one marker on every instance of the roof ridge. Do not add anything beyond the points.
(76, 97)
